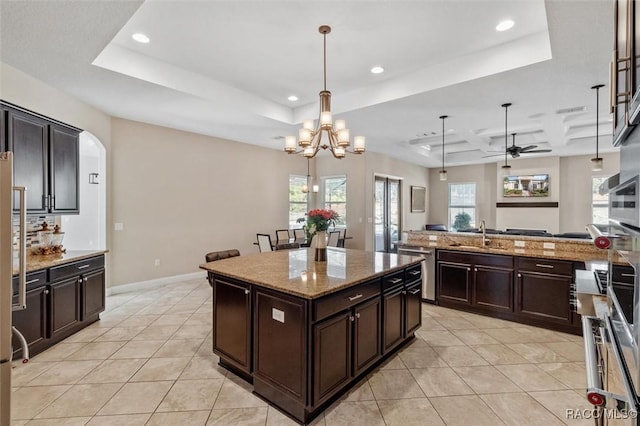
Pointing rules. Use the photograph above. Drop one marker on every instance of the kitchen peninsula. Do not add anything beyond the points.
(304, 332)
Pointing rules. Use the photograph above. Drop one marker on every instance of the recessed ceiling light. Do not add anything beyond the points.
(141, 38)
(505, 25)
(377, 70)
(293, 98)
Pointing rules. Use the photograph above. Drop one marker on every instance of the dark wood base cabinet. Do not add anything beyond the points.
(61, 301)
(307, 352)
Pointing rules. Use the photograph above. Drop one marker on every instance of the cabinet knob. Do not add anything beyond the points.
(46, 292)
(468, 269)
(86, 279)
(246, 291)
(475, 269)
(519, 275)
(357, 314)
(352, 318)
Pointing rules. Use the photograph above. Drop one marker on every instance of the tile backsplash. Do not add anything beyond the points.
(34, 224)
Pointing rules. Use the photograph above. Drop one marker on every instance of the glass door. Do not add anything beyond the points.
(388, 211)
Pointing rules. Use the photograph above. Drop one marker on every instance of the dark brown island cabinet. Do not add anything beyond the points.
(61, 300)
(535, 291)
(304, 332)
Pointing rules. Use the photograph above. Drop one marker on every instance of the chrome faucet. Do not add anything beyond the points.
(483, 228)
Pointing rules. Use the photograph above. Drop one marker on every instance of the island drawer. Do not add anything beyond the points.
(393, 280)
(413, 273)
(76, 268)
(34, 280)
(344, 299)
(545, 266)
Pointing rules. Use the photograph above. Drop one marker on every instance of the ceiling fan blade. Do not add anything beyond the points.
(494, 155)
(515, 154)
(535, 151)
(528, 148)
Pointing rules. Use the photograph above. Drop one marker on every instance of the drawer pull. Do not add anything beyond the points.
(416, 291)
(414, 273)
(33, 281)
(622, 275)
(395, 280)
(543, 265)
(83, 266)
(356, 297)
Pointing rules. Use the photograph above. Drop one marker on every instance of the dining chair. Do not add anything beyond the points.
(219, 255)
(299, 234)
(343, 235)
(264, 242)
(334, 238)
(287, 246)
(282, 236)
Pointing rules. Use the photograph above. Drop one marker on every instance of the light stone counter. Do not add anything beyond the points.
(295, 272)
(37, 262)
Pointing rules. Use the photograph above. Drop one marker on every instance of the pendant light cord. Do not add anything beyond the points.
(506, 141)
(324, 36)
(597, 117)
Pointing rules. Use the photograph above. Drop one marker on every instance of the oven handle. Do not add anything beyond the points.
(631, 396)
(595, 394)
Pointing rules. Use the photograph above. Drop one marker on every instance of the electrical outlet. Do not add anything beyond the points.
(518, 243)
(118, 226)
(156, 262)
(433, 238)
(549, 246)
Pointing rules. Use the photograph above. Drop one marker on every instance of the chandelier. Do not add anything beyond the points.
(310, 138)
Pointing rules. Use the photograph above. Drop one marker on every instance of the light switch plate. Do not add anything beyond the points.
(549, 246)
(118, 226)
(518, 243)
(277, 315)
(433, 238)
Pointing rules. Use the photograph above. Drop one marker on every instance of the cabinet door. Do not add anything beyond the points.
(543, 296)
(31, 322)
(232, 322)
(493, 288)
(413, 305)
(92, 294)
(393, 311)
(454, 282)
(28, 139)
(63, 169)
(65, 306)
(367, 335)
(621, 70)
(331, 355)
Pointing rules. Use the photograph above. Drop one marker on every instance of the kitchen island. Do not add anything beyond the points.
(304, 332)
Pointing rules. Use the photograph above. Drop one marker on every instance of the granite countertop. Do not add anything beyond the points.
(295, 272)
(37, 262)
(539, 247)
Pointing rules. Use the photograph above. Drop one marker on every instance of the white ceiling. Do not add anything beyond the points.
(226, 68)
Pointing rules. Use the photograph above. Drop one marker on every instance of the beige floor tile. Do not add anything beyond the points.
(253, 416)
(530, 378)
(540, 335)
(178, 348)
(58, 353)
(508, 335)
(139, 321)
(22, 374)
(572, 374)
(474, 337)
(171, 319)
(440, 338)
(158, 369)
(181, 309)
(206, 348)
(154, 310)
(64, 373)
(81, 400)
(569, 350)
(157, 332)
(536, 352)
(190, 418)
(108, 321)
(431, 324)
(394, 384)
(421, 357)
(120, 420)
(203, 368)
(117, 334)
(86, 335)
(409, 412)
(465, 410)
(393, 363)
(236, 393)
(137, 398)
(27, 402)
(138, 349)
(187, 395)
(361, 392)
(456, 323)
(519, 409)
(67, 421)
(362, 413)
(498, 354)
(563, 403)
(440, 382)
(482, 322)
(460, 356)
(200, 319)
(96, 350)
(276, 418)
(486, 379)
(114, 371)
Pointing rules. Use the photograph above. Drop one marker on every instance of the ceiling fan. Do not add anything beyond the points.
(515, 150)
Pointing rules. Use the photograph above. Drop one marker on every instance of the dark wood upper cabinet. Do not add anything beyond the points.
(64, 161)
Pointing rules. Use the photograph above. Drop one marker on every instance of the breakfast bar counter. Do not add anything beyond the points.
(304, 332)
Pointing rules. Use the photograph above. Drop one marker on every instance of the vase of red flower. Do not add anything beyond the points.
(318, 222)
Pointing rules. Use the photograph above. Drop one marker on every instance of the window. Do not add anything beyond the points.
(335, 197)
(462, 206)
(297, 200)
(599, 203)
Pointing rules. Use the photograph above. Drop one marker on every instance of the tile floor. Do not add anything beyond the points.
(149, 362)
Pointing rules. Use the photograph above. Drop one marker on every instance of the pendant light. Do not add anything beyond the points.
(506, 169)
(305, 187)
(596, 162)
(443, 172)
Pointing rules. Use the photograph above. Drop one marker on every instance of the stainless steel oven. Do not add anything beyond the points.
(624, 204)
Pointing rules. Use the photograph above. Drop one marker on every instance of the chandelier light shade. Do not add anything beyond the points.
(596, 162)
(443, 172)
(506, 168)
(310, 137)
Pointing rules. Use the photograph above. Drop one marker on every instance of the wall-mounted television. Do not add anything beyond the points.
(526, 186)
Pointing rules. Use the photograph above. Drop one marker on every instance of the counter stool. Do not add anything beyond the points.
(219, 255)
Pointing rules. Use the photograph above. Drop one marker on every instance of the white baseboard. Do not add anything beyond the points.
(143, 285)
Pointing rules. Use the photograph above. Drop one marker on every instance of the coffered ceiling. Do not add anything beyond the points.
(226, 68)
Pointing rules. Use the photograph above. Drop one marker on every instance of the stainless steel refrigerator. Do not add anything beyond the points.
(7, 302)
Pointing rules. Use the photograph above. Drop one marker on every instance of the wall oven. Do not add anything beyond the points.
(624, 203)
(608, 300)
